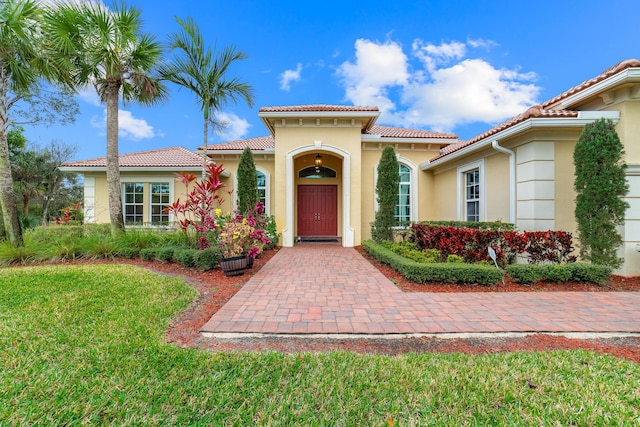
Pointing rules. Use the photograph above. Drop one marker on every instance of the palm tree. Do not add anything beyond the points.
(202, 71)
(96, 45)
(18, 36)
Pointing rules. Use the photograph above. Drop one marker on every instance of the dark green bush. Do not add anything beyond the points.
(148, 254)
(555, 273)
(591, 273)
(128, 253)
(185, 257)
(165, 253)
(524, 273)
(434, 272)
(577, 272)
(207, 259)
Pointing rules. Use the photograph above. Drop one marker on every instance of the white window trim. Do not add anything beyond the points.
(413, 169)
(267, 183)
(462, 170)
(150, 180)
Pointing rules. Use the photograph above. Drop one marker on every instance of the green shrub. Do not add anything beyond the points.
(207, 259)
(165, 253)
(591, 273)
(555, 272)
(524, 273)
(148, 254)
(577, 272)
(185, 257)
(137, 239)
(455, 259)
(493, 225)
(11, 254)
(434, 272)
(97, 246)
(128, 253)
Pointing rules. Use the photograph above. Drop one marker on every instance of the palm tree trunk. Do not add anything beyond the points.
(113, 166)
(8, 205)
(205, 146)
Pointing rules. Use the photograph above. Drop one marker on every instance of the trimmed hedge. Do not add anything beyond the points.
(165, 253)
(576, 272)
(493, 225)
(434, 272)
(185, 257)
(207, 259)
(148, 254)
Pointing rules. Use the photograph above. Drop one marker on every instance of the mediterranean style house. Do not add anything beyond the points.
(317, 168)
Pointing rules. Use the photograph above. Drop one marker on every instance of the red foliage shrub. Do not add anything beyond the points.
(471, 244)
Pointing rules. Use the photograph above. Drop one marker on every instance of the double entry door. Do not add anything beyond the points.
(317, 210)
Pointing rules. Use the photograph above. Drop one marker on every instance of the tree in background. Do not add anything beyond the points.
(601, 186)
(204, 72)
(387, 195)
(247, 191)
(18, 48)
(93, 44)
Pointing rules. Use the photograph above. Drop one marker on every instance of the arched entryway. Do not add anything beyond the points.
(327, 206)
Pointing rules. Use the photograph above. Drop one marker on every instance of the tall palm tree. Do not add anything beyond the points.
(97, 45)
(18, 36)
(203, 71)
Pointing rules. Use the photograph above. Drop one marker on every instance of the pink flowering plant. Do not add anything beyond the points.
(242, 235)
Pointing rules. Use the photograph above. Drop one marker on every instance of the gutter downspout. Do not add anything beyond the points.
(512, 179)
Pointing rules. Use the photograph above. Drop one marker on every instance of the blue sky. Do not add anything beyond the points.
(455, 66)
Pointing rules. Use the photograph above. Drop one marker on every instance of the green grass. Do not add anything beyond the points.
(85, 345)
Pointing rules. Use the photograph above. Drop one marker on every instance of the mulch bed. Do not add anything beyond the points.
(215, 289)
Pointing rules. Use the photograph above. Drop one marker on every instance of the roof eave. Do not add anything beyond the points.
(584, 118)
(627, 76)
(80, 169)
(393, 140)
(268, 117)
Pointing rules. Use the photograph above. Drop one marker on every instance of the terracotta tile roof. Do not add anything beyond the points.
(317, 107)
(542, 111)
(260, 143)
(166, 157)
(534, 112)
(621, 66)
(393, 132)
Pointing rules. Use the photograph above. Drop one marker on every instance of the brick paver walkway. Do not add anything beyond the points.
(327, 289)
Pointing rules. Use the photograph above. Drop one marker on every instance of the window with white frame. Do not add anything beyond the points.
(262, 188)
(472, 195)
(159, 201)
(133, 203)
(403, 206)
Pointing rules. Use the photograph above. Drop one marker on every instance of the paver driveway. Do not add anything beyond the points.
(317, 288)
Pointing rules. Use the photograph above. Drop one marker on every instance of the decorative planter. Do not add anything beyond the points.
(249, 262)
(234, 266)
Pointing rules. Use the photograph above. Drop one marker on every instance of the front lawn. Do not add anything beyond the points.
(85, 345)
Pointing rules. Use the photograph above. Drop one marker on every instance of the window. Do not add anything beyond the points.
(314, 172)
(133, 203)
(403, 207)
(472, 195)
(159, 201)
(262, 188)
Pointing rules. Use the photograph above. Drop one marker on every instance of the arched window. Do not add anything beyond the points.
(317, 172)
(262, 188)
(403, 205)
(406, 209)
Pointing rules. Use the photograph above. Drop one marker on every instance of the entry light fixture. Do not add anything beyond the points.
(318, 163)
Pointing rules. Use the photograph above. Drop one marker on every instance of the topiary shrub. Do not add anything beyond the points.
(387, 186)
(207, 259)
(601, 186)
(247, 182)
(128, 253)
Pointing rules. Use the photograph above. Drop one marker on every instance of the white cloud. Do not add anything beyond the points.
(290, 76)
(128, 126)
(438, 87)
(378, 67)
(89, 95)
(235, 127)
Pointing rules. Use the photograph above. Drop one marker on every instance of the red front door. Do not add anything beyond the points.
(318, 210)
